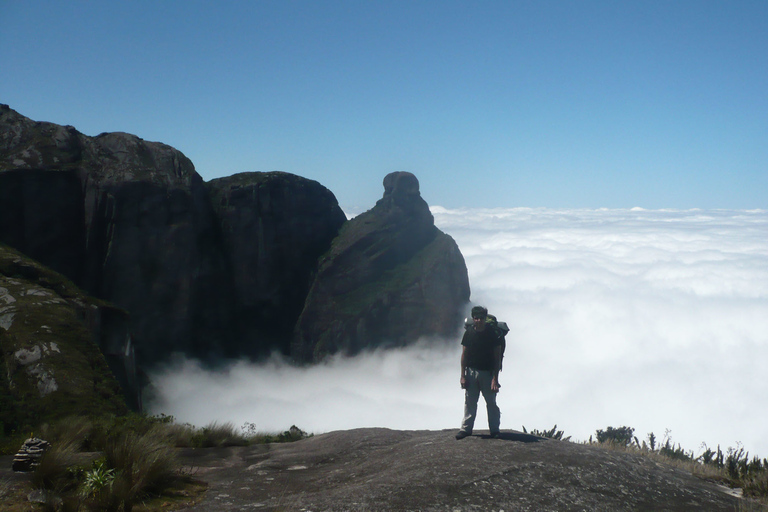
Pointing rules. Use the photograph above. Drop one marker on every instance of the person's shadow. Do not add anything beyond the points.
(515, 436)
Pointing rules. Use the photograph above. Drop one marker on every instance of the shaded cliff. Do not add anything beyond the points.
(236, 267)
(61, 352)
(389, 278)
(131, 222)
(274, 228)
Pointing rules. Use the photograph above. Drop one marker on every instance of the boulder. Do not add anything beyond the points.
(390, 277)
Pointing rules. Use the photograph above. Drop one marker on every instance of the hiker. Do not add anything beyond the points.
(480, 364)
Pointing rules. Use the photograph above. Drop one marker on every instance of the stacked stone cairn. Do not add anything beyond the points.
(29, 455)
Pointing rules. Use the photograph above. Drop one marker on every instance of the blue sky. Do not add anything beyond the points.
(588, 104)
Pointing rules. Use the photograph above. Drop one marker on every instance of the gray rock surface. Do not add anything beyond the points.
(386, 470)
(389, 278)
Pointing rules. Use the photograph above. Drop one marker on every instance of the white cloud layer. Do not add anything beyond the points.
(651, 319)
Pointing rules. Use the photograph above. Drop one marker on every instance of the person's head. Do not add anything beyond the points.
(479, 313)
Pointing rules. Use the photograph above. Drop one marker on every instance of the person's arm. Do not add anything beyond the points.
(496, 367)
(463, 380)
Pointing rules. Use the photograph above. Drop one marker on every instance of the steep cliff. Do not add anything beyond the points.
(204, 269)
(274, 227)
(227, 268)
(389, 278)
(127, 220)
(61, 352)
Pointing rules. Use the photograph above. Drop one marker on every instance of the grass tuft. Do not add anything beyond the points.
(57, 470)
(218, 435)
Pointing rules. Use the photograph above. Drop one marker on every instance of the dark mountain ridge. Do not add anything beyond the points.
(236, 267)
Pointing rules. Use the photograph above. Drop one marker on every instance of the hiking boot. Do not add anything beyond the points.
(461, 434)
(495, 435)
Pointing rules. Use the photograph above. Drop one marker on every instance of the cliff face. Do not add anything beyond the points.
(390, 277)
(227, 268)
(274, 228)
(127, 220)
(131, 222)
(61, 352)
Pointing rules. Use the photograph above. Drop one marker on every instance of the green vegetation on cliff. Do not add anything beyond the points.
(50, 363)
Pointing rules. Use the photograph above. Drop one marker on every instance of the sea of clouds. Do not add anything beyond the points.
(653, 319)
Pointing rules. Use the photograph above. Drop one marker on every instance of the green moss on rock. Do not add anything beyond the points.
(51, 364)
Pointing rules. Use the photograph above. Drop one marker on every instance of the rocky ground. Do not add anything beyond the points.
(380, 469)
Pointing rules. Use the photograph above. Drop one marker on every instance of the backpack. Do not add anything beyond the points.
(500, 328)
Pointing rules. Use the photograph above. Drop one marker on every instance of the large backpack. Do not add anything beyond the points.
(500, 328)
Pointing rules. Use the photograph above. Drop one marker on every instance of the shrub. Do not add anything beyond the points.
(254, 436)
(622, 436)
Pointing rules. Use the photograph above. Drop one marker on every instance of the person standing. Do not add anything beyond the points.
(480, 365)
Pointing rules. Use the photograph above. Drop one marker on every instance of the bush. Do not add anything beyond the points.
(622, 436)
(254, 436)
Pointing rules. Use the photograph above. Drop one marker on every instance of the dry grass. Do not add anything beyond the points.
(56, 471)
(755, 491)
(180, 436)
(706, 471)
(219, 435)
(143, 465)
(76, 431)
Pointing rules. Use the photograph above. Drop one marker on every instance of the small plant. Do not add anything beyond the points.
(98, 479)
(652, 441)
(553, 433)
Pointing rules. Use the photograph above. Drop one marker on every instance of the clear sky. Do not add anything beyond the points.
(657, 104)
